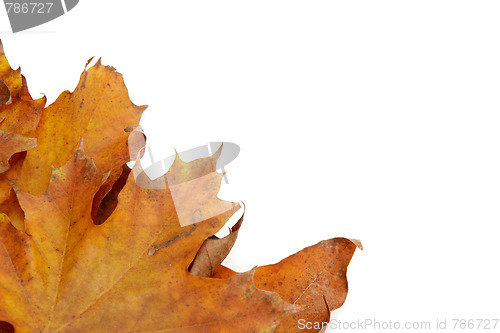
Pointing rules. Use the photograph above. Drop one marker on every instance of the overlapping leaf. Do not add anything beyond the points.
(20, 112)
(19, 116)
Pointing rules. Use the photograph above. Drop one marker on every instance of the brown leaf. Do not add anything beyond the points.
(4, 93)
(213, 252)
(110, 179)
(102, 208)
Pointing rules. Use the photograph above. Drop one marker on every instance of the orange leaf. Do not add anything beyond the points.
(99, 110)
(314, 278)
(23, 113)
(88, 245)
(75, 276)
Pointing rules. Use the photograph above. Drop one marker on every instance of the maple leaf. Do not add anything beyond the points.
(98, 110)
(314, 278)
(22, 114)
(19, 116)
(88, 245)
(69, 274)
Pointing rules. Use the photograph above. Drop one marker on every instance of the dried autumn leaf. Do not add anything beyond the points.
(88, 245)
(73, 276)
(11, 78)
(99, 110)
(22, 114)
(4, 93)
(213, 251)
(11, 146)
(19, 115)
(314, 278)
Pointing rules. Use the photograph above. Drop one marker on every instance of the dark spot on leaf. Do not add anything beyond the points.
(6, 327)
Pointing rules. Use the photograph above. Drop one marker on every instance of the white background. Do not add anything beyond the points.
(376, 120)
